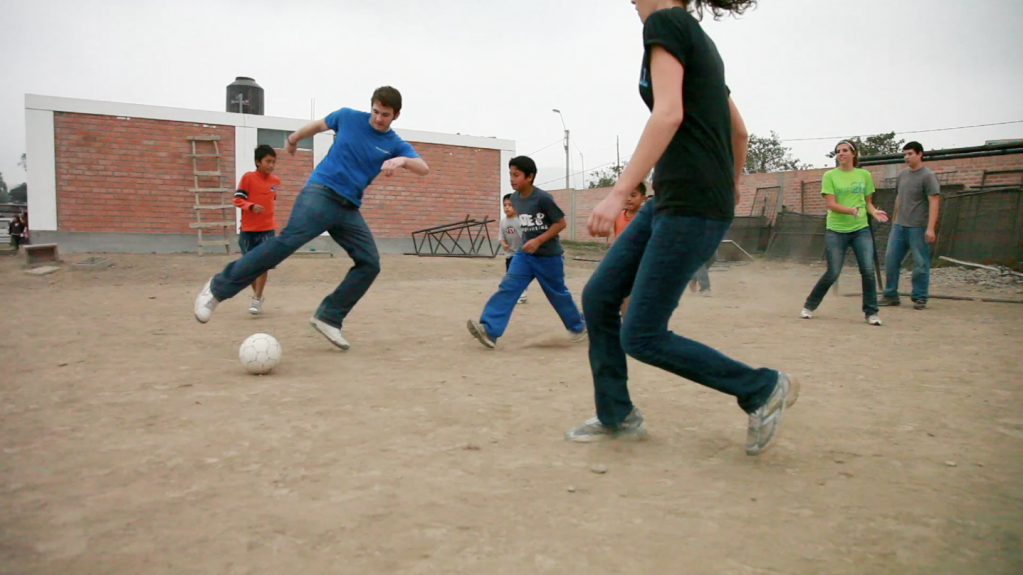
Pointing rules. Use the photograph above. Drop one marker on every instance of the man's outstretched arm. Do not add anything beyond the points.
(306, 131)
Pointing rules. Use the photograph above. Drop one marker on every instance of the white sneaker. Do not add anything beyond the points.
(806, 314)
(578, 337)
(874, 320)
(256, 306)
(330, 332)
(205, 303)
(522, 299)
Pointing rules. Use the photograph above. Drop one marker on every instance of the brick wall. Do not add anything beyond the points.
(801, 189)
(963, 171)
(461, 181)
(585, 201)
(132, 175)
(129, 174)
(293, 172)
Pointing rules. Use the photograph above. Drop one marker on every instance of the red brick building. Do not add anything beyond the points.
(114, 177)
(800, 190)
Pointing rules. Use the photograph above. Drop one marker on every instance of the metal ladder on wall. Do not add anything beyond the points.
(215, 205)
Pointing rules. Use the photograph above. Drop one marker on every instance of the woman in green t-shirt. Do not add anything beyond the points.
(847, 190)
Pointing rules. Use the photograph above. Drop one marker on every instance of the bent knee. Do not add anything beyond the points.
(643, 347)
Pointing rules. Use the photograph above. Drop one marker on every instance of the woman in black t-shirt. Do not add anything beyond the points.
(697, 140)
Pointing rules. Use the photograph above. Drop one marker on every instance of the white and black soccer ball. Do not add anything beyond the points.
(260, 353)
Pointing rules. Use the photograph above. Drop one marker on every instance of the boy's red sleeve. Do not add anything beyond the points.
(241, 195)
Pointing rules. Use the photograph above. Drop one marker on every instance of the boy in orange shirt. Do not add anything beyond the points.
(256, 195)
(632, 205)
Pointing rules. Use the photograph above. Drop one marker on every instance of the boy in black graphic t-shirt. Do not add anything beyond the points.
(698, 142)
(541, 257)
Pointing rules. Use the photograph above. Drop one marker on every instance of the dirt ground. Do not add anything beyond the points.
(133, 442)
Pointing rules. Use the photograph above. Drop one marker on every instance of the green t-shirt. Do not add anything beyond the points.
(851, 190)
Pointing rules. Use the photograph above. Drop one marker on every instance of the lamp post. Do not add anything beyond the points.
(568, 187)
(558, 112)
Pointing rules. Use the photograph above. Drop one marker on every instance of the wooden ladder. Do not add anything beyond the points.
(222, 224)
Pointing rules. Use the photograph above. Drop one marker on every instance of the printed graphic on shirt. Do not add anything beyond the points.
(533, 223)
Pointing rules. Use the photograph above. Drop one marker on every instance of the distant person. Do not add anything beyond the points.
(918, 195)
(364, 146)
(702, 279)
(511, 236)
(16, 228)
(256, 196)
(633, 203)
(541, 258)
(847, 190)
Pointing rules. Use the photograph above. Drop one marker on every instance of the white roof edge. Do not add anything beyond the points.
(121, 109)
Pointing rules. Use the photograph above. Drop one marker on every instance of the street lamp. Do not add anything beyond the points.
(558, 112)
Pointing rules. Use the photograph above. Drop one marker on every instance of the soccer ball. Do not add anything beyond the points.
(260, 353)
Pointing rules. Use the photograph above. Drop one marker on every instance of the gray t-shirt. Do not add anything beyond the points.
(537, 213)
(911, 203)
(511, 233)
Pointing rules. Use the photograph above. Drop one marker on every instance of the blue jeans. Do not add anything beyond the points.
(317, 209)
(900, 242)
(654, 259)
(837, 244)
(549, 271)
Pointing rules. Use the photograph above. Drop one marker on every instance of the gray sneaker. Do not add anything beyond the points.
(256, 306)
(765, 423)
(593, 430)
(333, 334)
(578, 337)
(479, 332)
(205, 303)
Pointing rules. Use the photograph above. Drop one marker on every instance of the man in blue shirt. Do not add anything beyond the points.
(364, 146)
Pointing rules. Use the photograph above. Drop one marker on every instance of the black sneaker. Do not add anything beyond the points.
(920, 304)
(889, 302)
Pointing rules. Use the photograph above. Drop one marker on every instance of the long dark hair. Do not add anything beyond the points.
(719, 8)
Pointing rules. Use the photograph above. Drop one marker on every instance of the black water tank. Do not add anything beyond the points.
(247, 94)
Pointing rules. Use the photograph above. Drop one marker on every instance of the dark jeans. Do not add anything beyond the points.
(247, 241)
(317, 209)
(703, 278)
(902, 241)
(549, 271)
(836, 244)
(654, 259)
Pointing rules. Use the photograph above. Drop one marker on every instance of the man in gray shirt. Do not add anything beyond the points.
(916, 215)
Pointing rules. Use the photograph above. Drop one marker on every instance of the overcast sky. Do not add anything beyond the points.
(803, 68)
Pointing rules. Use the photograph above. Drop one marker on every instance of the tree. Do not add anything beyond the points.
(19, 194)
(607, 177)
(876, 145)
(23, 162)
(768, 155)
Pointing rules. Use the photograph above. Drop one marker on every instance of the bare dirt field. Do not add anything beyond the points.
(133, 442)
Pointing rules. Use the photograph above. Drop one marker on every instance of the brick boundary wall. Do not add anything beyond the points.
(129, 174)
(961, 172)
(132, 175)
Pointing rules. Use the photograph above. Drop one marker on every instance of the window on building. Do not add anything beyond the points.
(278, 138)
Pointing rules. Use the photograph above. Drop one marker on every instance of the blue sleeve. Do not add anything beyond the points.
(405, 150)
(336, 119)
